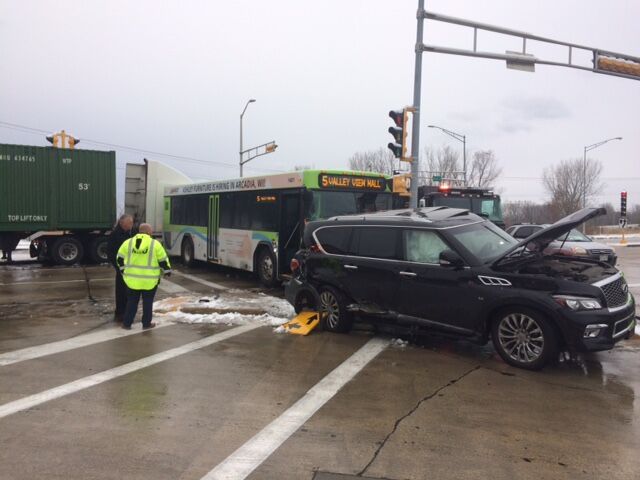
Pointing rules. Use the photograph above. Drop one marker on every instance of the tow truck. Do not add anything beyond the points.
(481, 201)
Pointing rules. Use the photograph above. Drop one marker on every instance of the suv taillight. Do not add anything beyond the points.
(294, 265)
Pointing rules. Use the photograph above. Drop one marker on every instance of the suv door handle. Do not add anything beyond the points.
(408, 274)
(351, 267)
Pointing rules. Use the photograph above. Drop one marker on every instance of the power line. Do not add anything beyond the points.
(38, 131)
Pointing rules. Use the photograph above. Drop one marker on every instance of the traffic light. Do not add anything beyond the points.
(618, 65)
(270, 147)
(623, 204)
(399, 145)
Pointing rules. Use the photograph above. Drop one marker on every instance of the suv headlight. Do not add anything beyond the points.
(579, 251)
(577, 303)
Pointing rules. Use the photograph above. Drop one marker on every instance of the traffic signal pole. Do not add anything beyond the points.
(417, 91)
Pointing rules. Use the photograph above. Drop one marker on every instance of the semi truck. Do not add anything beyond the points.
(64, 200)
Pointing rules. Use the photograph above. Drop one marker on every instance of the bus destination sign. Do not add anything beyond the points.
(351, 182)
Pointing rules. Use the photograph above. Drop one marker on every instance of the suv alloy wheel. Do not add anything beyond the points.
(334, 306)
(524, 339)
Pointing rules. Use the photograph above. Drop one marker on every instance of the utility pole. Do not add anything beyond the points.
(417, 90)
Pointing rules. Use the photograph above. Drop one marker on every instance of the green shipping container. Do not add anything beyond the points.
(46, 188)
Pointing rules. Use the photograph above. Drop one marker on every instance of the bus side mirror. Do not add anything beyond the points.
(449, 258)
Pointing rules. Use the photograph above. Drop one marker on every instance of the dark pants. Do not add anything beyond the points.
(121, 294)
(132, 306)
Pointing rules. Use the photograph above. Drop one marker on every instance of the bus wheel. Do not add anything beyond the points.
(67, 251)
(187, 252)
(266, 268)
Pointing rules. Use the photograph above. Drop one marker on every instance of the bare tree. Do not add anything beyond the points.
(484, 169)
(442, 162)
(566, 184)
(527, 212)
(381, 161)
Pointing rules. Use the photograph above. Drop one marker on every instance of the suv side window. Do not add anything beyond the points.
(377, 242)
(423, 246)
(334, 240)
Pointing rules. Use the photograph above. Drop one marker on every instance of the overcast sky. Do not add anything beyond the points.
(173, 77)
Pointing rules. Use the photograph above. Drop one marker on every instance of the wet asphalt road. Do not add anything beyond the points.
(443, 409)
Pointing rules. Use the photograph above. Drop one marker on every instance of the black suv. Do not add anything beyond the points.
(450, 270)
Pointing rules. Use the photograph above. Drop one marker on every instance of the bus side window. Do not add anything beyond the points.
(226, 210)
(265, 211)
(243, 206)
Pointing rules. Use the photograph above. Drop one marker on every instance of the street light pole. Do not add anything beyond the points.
(584, 166)
(251, 100)
(461, 138)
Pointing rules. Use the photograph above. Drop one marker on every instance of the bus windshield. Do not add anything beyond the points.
(326, 204)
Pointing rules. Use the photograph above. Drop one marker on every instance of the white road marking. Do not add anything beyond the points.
(38, 351)
(83, 383)
(56, 282)
(249, 456)
(633, 285)
(217, 286)
(171, 287)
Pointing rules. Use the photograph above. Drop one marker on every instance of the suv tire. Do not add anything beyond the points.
(524, 338)
(333, 304)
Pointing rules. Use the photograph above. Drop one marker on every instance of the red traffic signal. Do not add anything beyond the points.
(398, 117)
(623, 204)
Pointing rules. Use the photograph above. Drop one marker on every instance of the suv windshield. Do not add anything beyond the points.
(326, 204)
(484, 240)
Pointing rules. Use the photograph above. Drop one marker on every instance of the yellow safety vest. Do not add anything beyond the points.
(141, 270)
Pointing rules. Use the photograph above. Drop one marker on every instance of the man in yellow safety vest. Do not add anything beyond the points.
(143, 261)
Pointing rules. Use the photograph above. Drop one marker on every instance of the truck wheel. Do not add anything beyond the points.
(187, 252)
(67, 251)
(524, 338)
(266, 268)
(333, 304)
(98, 250)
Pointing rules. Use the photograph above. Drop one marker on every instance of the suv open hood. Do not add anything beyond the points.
(542, 238)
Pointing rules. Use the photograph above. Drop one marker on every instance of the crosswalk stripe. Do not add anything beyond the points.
(80, 341)
(249, 456)
(98, 378)
(56, 282)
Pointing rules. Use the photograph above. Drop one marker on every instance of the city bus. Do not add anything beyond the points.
(256, 223)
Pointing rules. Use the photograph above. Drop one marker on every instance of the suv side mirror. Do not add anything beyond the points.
(449, 258)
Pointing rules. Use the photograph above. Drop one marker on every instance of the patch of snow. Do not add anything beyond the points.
(272, 311)
(399, 343)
